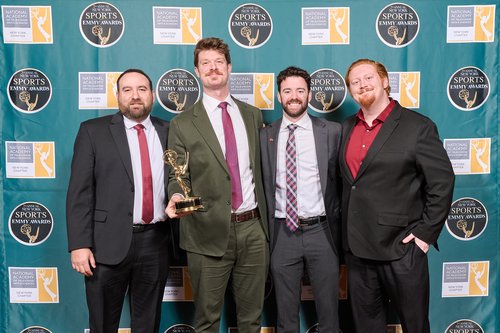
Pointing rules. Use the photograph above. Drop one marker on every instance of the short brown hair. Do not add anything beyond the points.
(211, 43)
(380, 68)
(133, 70)
(294, 71)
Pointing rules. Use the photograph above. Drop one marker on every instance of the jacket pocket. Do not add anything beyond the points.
(100, 215)
(393, 220)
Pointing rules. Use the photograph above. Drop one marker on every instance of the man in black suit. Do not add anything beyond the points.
(299, 159)
(397, 191)
(115, 209)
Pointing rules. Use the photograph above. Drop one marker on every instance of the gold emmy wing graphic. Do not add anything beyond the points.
(111, 89)
(484, 25)
(464, 96)
(26, 230)
(247, 33)
(47, 279)
(394, 31)
(320, 96)
(480, 156)
(44, 161)
(97, 31)
(191, 23)
(339, 27)
(478, 276)
(25, 97)
(462, 225)
(174, 97)
(42, 21)
(263, 91)
(409, 95)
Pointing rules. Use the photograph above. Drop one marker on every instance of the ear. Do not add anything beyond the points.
(197, 72)
(279, 97)
(310, 96)
(229, 69)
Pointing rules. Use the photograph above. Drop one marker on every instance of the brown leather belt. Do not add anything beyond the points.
(245, 216)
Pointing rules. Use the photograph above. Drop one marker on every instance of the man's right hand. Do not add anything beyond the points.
(83, 261)
(170, 209)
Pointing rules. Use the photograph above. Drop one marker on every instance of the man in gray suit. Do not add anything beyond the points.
(227, 239)
(299, 158)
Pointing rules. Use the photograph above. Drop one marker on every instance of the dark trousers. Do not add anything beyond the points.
(404, 281)
(307, 247)
(245, 263)
(143, 272)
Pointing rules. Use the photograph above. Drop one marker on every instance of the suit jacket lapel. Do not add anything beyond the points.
(272, 143)
(346, 132)
(161, 131)
(321, 142)
(385, 132)
(117, 129)
(202, 123)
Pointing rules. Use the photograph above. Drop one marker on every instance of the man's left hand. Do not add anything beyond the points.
(420, 243)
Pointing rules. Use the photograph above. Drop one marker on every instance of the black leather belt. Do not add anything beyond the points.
(144, 227)
(311, 221)
(245, 216)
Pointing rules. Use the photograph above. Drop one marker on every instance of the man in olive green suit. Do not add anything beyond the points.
(227, 239)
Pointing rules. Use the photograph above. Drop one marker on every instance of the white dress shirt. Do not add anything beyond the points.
(215, 115)
(157, 169)
(309, 196)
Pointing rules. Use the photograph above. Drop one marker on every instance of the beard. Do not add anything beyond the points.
(136, 113)
(295, 113)
(366, 101)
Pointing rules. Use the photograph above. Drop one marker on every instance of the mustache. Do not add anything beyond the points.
(215, 71)
(295, 101)
(363, 90)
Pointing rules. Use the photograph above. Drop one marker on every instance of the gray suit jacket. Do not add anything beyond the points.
(100, 198)
(207, 230)
(327, 141)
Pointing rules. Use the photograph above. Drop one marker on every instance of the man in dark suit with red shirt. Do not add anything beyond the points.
(397, 191)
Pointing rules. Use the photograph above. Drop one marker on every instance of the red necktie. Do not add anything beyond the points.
(231, 157)
(147, 178)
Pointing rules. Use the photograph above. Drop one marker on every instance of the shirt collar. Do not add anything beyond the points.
(381, 118)
(304, 122)
(211, 104)
(129, 124)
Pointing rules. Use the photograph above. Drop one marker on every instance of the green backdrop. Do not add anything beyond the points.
(443, 59)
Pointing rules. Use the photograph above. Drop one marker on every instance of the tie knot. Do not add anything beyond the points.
(139, 127)
(223, 106)
(292, 127)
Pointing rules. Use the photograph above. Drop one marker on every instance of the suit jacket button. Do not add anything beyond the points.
(228, 203)
(132, 190)
(130, 214)
(353, 187)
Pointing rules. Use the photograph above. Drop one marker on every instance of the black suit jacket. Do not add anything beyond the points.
(100, 198)
(327, 141)
(404, 186)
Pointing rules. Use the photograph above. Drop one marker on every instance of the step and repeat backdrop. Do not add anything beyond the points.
(58, 67)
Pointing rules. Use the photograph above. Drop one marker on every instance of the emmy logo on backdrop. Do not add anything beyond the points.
(462, 225)
(187, 204)
(25, 97)
(478, 274)
(26, 230)
(40, 21)
(174, 97)
(263, 88)
(97, 31)
(320, 96)
(47, 281)
(247, 33)
(394, 31)
(464, 95)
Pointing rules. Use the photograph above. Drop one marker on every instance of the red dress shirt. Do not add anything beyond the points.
(362, 137)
